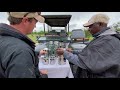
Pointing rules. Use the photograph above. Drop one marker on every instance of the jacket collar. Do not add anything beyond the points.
(6, 30)
(100, 32)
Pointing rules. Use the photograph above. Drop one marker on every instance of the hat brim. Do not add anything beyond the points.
(40, 18)
(87, 24)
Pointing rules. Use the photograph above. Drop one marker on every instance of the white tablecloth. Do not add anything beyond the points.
(56, 70)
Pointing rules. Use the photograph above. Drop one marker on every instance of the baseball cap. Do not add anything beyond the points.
(35, 15)
(97, 18)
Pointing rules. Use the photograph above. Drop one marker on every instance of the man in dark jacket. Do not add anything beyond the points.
(101, 57)
(17, 56)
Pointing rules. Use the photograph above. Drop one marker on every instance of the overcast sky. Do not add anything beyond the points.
(77, 20)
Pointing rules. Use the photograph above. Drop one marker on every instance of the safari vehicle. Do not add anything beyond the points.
(59, 36)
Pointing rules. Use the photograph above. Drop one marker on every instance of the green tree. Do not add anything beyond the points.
(116, 26)
(87, 34)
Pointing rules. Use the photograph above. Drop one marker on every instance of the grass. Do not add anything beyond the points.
(90, 38)
(33, 37)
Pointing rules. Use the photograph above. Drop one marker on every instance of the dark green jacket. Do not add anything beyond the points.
(17, 56)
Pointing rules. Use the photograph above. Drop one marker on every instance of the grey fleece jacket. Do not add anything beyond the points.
(100, 56)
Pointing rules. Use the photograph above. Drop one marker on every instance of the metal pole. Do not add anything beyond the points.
(65, 29)
(48, 28)
(68, 29)
(44, 28)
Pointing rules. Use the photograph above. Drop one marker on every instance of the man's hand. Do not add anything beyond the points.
(42, 52)
(44, 71)
(60, 51)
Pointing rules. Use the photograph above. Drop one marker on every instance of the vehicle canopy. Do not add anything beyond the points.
(57, 21)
